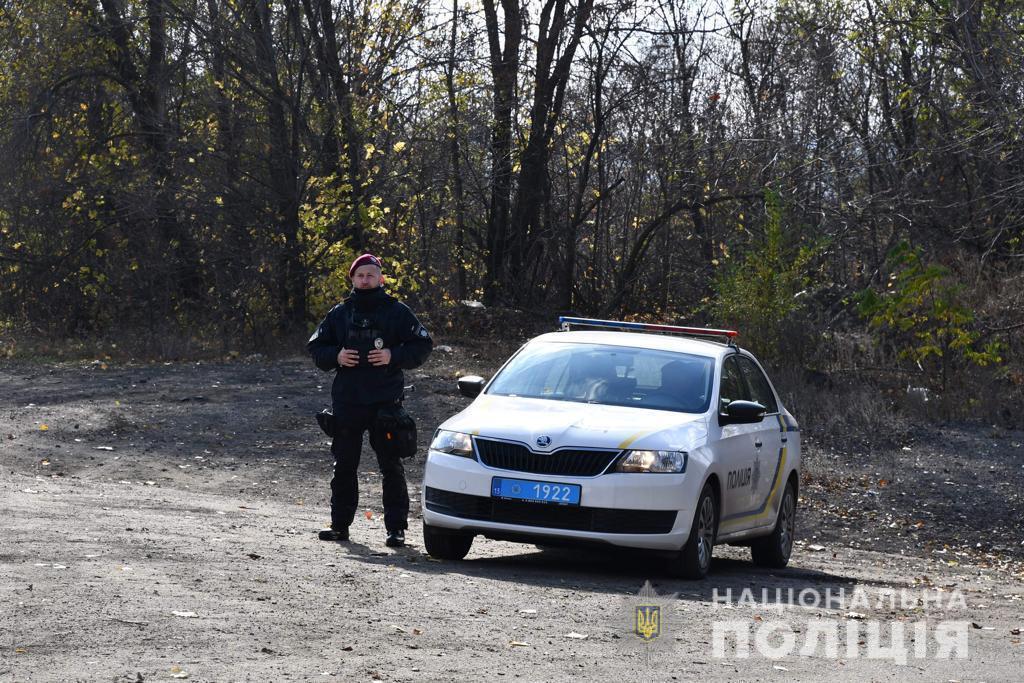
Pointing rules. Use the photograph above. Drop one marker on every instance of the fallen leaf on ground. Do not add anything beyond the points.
(576, 636)
(104, 448)
(516, 643)
(188, 615)
(43, 428)
(815, 547)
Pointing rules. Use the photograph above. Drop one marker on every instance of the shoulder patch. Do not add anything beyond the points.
(422, 332)
(316, 333)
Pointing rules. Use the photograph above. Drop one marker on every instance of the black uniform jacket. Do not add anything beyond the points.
(369, 319)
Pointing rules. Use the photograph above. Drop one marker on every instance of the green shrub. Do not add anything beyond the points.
(761, 292)
(922, 315)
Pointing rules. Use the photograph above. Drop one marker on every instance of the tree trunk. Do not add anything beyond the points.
(552, 76)
(504, 70)
(328, 56)
(283, 169)
(456, 161)
(147, 94)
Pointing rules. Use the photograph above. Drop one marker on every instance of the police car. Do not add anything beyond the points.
(628, 434)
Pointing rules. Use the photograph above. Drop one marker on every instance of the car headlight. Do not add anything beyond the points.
(653, 461)
(453, 443)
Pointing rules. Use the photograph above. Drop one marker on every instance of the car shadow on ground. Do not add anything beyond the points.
(612, 571)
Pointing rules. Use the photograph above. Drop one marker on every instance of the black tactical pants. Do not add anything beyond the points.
(350, 422)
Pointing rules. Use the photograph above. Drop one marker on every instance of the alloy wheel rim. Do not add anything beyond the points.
(705, 533)
(788, 524)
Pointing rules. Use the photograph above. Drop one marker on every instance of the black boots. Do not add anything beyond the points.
(331, 534)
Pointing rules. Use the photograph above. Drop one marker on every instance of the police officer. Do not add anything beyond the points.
(367, 340)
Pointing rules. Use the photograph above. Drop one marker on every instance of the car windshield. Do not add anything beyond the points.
(608, 375)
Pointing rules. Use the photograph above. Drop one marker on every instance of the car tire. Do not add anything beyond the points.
(775, 549)
(444, 544)
(694, 560)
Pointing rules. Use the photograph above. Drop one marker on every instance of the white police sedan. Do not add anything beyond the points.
(669, 441)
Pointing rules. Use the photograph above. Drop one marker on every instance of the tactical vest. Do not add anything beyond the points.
(363, 333)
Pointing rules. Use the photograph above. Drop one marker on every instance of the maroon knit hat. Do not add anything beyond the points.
(364, 260)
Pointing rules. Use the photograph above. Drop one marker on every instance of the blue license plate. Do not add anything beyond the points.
(535, 491)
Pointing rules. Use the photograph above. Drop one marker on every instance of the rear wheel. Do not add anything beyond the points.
(774, 550)
(694, 560)
(445, 544)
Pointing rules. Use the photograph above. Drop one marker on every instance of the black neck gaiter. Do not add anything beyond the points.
(367, 300)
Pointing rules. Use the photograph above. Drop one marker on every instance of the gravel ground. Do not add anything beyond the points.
(159, 523)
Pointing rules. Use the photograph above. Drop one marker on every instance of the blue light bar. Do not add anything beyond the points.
(566, 323)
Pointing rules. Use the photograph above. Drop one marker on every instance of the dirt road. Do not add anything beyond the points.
(157, 522)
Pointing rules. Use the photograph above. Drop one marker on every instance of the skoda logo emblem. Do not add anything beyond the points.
(543, 441)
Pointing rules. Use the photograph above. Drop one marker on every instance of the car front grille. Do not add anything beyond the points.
(568, 462)
(572, 517)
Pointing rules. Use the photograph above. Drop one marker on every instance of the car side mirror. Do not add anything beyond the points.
(470, 386)
(741, 413)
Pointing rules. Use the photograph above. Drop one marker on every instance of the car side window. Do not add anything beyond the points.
(760, 390)
(733, 387)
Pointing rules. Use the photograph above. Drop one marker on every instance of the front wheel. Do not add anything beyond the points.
(774, 549)
(444, 544)
(694, 560)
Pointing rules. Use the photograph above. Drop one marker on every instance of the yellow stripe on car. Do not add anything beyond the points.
(767, 508)
(630, 439)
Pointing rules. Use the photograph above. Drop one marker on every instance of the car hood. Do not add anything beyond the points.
(579, 425)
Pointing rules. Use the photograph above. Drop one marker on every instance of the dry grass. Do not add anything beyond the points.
(831, 411)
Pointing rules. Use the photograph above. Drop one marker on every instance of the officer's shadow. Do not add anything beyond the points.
(357, 549)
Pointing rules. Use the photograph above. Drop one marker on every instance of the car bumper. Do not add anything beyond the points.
(630, 510)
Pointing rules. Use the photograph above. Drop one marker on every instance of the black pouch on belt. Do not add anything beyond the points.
(394, 432)
(325, 418)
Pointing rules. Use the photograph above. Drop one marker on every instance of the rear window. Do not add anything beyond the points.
(608, 375)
